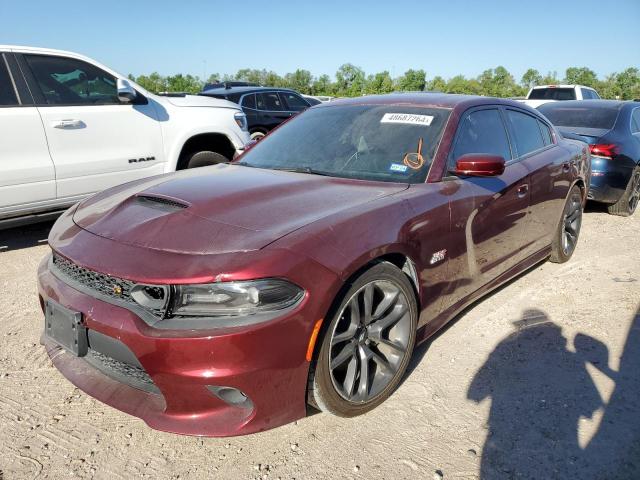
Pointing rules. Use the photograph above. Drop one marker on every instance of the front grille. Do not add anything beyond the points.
(131, 375)
(116, 288)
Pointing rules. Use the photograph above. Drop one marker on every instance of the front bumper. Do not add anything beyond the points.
(179, 373)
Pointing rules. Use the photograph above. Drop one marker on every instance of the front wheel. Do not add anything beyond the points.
(367, 345)
(204, 159)
(566, 236)
(630, 198)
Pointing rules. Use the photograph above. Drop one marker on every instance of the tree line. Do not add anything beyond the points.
(352, 81)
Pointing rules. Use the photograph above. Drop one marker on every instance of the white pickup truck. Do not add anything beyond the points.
(552, 93)
(70, 127)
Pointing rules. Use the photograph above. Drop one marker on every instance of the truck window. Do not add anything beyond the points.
(67, 81)
(7, 93)
(552, 94)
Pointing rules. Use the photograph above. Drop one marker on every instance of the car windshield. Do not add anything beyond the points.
(583, 117)
(552, 94)
(392, 143)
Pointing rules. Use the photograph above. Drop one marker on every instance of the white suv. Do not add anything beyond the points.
(70, 126)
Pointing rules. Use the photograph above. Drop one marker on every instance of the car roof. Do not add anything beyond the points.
(227, 91)
(425, 99)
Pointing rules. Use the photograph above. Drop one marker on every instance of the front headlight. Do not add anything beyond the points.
(241, 120)
(234, 298)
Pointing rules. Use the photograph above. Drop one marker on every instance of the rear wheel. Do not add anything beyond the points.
(257, 135)
(367, 345)
(566, 236)
(630, 198)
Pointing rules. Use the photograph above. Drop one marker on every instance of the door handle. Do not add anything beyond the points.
(522, 190)
(68, 124)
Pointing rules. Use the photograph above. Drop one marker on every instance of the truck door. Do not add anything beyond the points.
(95, 140)
(27, 176)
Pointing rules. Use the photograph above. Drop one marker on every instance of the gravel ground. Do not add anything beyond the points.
(539, 380)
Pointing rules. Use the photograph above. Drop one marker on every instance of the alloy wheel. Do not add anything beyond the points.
(571, 222)
(369, 341)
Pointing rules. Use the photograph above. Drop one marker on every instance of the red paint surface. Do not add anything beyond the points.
(245, 223)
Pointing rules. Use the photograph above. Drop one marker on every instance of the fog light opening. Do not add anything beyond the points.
(231, 396)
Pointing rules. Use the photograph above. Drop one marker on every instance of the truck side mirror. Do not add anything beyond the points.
(126, 93)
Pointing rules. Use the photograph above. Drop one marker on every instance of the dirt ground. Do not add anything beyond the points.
(539, 380)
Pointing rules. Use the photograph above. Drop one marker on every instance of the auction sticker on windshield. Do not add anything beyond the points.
(407, 118)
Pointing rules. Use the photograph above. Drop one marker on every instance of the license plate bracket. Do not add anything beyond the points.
(65, 328)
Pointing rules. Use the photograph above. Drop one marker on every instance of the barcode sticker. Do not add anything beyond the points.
(407, 118)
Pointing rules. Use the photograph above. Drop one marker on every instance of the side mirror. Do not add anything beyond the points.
(479, 165)
(126, 93)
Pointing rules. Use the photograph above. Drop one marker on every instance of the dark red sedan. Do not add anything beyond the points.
(224, 300)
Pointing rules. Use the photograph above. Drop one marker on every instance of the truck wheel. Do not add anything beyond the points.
(204, 159)
(630, 198)
(257, 135)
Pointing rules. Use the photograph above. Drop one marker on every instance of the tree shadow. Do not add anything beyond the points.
(539, 390)
(25, 236)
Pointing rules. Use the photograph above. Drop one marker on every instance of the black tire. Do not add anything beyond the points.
(322, 391)
(204, 159)
(566, 237)
(630, 198)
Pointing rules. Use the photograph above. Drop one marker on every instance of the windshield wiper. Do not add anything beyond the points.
(308, 170)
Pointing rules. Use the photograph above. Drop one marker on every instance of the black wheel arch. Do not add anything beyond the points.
(214, 142)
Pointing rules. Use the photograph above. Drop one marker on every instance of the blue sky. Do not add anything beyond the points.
(444, 37)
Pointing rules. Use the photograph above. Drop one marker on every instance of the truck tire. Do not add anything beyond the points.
(205, 159)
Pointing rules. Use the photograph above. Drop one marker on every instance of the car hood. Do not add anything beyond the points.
(200, 101)
(220, 209)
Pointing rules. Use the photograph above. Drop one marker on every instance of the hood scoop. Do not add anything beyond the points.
(161, 203)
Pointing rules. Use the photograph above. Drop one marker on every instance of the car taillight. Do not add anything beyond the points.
(607, 150)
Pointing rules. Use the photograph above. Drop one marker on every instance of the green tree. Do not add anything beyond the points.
(437, 84)
(581, 76)
(349, 80)
(531, 78)
(322, 86)
(551, 78)
(184, 83)
(412, 81)
(154, 82)
(379, 83)
(628, 82)
(300, 80)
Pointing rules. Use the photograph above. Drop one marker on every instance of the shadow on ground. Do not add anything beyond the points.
(24, 237)
(539, 389)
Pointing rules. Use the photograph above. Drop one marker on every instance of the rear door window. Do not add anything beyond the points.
(547, 138)
(8, 96)
(269, 101)
(482, 131)
(526, 132)
(67, 81)
(249, 101)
